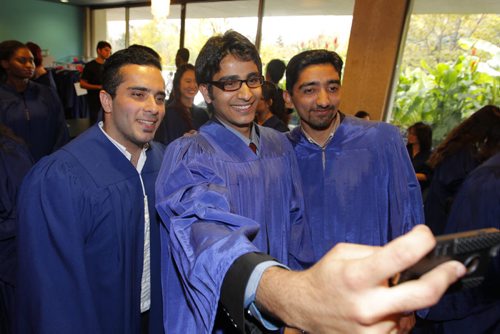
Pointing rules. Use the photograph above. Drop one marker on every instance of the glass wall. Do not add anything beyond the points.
(449, 69)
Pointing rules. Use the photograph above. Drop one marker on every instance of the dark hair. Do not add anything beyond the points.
(102, 45)
(307, 58)
(275, 68)
(175, 95)
(480, 132)
(151, 51)
(423, 132)
(272, 92)
(7, 50)
(36, 50)
(362, 114)
(217, 48)
(183, 54)
(176, 82)
(111, 73)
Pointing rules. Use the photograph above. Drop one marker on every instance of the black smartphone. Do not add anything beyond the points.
(473, 248)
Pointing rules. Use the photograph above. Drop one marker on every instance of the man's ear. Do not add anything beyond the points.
(206, 94)
(106, 101)
(288, 99)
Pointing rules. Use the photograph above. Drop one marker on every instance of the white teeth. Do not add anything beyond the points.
(147, 122)
(245, 107)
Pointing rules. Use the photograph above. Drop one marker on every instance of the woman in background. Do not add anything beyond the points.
(181, 115)
(41, 74)
(266, 112)
(466, 146)
(419, 148)
(31, 110)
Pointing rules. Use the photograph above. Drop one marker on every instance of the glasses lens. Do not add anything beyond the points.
(230, 85)
(255, 82)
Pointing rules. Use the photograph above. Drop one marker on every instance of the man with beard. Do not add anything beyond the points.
(358, 182)
(88, 233)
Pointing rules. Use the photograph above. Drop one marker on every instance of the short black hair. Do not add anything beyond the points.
(111, 73)
(183, 53)
(307, 58)
(102, 45)
(275, 68)
(362, 114)
(217, 48)
(147, 49)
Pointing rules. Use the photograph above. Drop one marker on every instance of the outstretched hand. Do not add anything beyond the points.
(347, 291)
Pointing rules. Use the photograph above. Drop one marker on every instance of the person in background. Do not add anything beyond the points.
(476, 206)
(181, 57)
(419, 145)
(265, 109)
(31, 110)
(464, 148)
(275, 70)
(88, 239)
(362, 114)
(231, 200)
(15, 162)
(91, 79)
(182, 116)
(41, 74)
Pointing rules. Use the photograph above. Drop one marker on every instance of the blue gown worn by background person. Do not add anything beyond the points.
(81, 240)
(36, 115)
(219, 201)
(15, 162)
(446, 181)
(476, 206)
(361, 188)
(174, 125)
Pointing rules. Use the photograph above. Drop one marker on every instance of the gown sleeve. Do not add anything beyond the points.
(205, 237)
(405, 198)
(51, 227)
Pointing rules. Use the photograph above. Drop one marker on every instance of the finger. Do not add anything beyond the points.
(399, 254)
(345, 251)
(416, 294)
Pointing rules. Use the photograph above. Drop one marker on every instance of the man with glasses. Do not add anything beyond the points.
(231, 201)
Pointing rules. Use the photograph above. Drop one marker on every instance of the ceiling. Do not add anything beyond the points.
(305, 7)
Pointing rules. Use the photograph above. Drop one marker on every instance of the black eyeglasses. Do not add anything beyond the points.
(232, 85)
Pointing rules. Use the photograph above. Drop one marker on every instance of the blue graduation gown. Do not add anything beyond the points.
(15, 161)
(477, 205)
(81, 240)
(36, 116)
(366, 192)
(446, 180)
(219, 201)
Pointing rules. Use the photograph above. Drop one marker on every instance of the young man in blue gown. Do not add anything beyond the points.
(88, 237)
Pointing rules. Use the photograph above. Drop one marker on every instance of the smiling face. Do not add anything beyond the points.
(134, 114)
(188, 87)
(21, 66)
(316, 97)
(236, 108)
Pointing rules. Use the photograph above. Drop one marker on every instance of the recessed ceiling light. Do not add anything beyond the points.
(64, 0)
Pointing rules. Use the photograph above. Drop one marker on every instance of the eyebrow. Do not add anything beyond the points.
(237, 77)
(144, 89)
(316, 83)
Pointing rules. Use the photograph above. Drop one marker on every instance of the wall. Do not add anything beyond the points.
(53, 26)
(376, 33)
